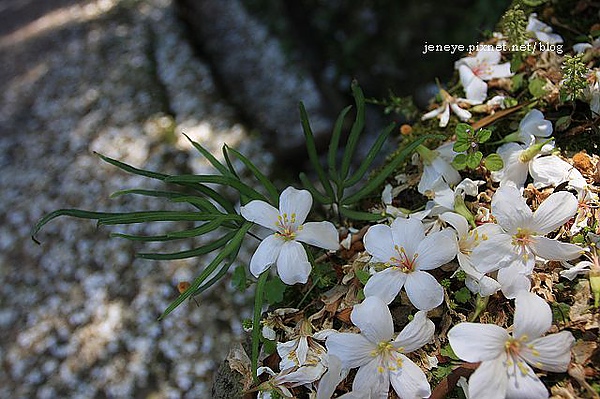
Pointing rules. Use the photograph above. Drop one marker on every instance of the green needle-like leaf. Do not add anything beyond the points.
(334, 143)
(154, 216)
(227, 181)
(371, 156)
(355, 131)
(210, 157)
(231, 247)
(378, 179)
(313, 190)
(358, 215)
(270, 187)
(190, 253)
(131, 169)
(313, 157)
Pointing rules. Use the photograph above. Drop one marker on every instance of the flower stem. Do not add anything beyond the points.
(480, 305)
(258, 302)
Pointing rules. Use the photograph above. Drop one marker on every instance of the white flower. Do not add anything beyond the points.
(436, 164)
(532, 126)
(573, 270)
(332, 378)
(442, 195)
(521, 161)
(379, 357)
(449, 103)
(588, 201)
(304, 355)
(283, 247)
(513, 250)
(579, 48)
(476, 281)
(592, 92)
(475, 70)
(505, 370)
(542, 31)
(407, 253)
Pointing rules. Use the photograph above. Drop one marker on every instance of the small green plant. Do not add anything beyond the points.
(574, 81)
(467, 145)
(338, 180)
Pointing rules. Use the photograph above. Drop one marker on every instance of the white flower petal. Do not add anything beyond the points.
(533, 316)
(462, 114)
(580, 268)
(494, 253)
(409, 381)
(298, 202)
(535, 124)
(436, 250)
(284, 350)
(555, 211)
(407, 233)
(485, 286)
(261, 213)
(474, 342)
(499, 71)
(550, 353)
(458, 222)
(512, 281)
(554, 250)
(525, 385)
(415, 334)
(320, 234)
(385, 284)
(433, 113)
(370, 378)
(331, 379)
(445, 115)
(379, 243)
(552, 171)
(353, 350)
(510, 209)
(266, 254)
(374, 319)
(423, 290)
(475, 87)
(292, 264)
(302, 350)
(489, 381)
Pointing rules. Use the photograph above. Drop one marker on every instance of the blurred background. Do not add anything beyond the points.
(125, 78)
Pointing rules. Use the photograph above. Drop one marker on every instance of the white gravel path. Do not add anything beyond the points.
(78, 314)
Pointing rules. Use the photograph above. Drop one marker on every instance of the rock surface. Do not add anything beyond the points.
(79, 312)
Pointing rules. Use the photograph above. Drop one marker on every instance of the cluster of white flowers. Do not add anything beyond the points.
(497, 250)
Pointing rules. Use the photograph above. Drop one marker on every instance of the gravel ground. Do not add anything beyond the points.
(78, 315)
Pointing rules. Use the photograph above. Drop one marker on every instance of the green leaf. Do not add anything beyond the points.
(516, 81)
(375, 181)
(274, 289)
(362, 276)
(209, 157)
(536, 87)
(334, 143)
(227, 181)
(267, 184)
(228, 162)
(256, 330)
(463, 295)
(461, 145)
(131, 169)
(463, 130)
(483, 135)
(563, 123)
(358, 215)
(448, 352)
(154, 216)
(474, 159)
(231, 247)
(313, 157)
(371, 156)
(239, 279)
(459, 162)
(493, 162)
(355, 131)
(313, 190)
(190, 253)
